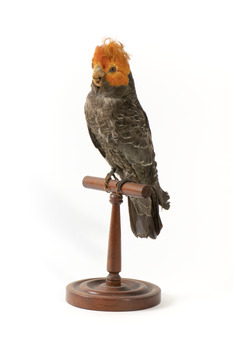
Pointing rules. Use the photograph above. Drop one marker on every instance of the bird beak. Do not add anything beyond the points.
(98, 75)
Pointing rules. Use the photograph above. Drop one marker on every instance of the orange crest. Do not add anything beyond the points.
(112, 53)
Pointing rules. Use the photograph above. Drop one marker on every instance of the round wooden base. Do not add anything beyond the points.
(131, 295)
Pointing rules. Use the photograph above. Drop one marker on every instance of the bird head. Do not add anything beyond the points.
(110, 63)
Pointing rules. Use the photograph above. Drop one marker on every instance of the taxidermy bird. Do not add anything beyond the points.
(119, 128)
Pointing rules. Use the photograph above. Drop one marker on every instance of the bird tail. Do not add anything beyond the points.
(144, 215)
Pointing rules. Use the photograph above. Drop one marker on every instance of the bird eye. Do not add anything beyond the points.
(112, 70)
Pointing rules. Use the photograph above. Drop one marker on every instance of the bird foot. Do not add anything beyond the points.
(108, 177)
(121, 183)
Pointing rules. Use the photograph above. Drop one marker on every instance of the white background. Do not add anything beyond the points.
(53, 231)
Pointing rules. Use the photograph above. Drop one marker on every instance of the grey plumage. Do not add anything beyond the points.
(119, 128)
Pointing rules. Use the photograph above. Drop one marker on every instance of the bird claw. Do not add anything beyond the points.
(108, 177)
(120, 184)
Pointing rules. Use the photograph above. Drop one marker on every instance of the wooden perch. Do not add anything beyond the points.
(114, 293)
(128, 189)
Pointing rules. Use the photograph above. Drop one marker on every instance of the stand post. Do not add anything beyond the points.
(113, 293)
(114, 243)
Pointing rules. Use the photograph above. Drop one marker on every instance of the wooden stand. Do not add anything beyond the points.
(113, 293)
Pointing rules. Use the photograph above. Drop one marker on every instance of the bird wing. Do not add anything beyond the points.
(134, 141)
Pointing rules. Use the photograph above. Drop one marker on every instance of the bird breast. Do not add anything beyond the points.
(100, 120)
